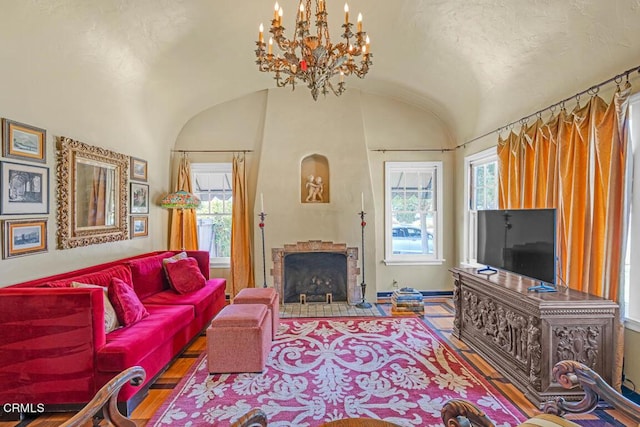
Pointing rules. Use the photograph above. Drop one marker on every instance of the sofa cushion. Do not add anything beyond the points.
(100, 278)
(147, 275)
(174, 258)
(110, 317)
(199, 299)
(185, 276)
(126, 346)
(126, 303)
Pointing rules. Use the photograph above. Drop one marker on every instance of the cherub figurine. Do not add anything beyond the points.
(315, 188)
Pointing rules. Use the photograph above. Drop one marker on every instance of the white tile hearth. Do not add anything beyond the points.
(335, 309)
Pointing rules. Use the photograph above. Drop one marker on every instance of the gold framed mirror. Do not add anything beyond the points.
(91, 193)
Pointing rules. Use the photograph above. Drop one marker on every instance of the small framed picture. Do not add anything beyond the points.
(24, 142)
(139, 226)
(24, 237)
(24, 189)
(138, 169)
(139, 198)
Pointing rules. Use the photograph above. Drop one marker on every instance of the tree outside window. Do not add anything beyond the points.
(212, 184)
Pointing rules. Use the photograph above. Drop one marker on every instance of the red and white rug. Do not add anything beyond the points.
(320, 370)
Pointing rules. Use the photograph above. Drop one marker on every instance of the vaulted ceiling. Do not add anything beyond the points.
(476, 64)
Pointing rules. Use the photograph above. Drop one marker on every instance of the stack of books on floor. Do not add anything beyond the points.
(407, 302)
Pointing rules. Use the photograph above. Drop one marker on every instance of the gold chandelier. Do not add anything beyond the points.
(312, 58)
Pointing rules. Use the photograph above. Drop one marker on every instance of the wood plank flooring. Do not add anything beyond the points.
(438, 315)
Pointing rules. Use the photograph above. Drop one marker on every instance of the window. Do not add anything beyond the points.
(413, 212)
(631, 273)
(212, 184)
(481, 192)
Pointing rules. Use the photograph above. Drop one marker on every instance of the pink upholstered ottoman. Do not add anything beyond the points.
(266, 296)
(239, 339)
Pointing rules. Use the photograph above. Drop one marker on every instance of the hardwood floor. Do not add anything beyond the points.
(438, 315)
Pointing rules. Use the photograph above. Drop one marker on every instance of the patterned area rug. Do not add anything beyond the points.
(320, 370)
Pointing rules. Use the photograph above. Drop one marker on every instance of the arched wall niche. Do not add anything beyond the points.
(315, 179)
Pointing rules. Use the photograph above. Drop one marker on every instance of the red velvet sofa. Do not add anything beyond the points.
(54, 349)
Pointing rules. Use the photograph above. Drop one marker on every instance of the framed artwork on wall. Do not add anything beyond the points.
(138, 169)
(139, 226)
(139, 198)
(24, 237)
(24, 142)
(24, 189)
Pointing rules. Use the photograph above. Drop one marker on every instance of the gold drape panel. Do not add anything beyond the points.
(241, 263)
(97, 202)
(183, 219)
(576, 163)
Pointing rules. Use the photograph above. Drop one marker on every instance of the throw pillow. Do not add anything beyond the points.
(126, 303)
(185, 275)
(110, 319)
(176, 257)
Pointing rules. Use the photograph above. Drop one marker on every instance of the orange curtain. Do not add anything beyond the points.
(576, 163)
(241, 262)
(509, 171)
(97, 202)
(183, 220)
(546, 149)
(610, 152)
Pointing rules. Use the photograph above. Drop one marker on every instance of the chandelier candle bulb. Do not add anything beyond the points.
(270, 45)
(346, 14)
(280, 13)
(362, 201)
(359, 22)
(301, 12)
(261, 203)
(276, 9)
(260, 35)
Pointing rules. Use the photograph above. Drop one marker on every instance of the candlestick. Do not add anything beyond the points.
(363, 284)
(262, 216)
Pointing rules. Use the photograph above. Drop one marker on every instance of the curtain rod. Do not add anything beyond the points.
(212, 151)
(593, 90)
(439, 150)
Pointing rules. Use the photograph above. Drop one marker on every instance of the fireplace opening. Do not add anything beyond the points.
(315, 274)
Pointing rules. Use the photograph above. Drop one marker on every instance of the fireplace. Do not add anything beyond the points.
(318, 271)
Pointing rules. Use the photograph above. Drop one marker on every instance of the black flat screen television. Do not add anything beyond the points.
(521, 241)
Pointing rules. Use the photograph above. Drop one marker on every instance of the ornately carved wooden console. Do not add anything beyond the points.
(524, 334)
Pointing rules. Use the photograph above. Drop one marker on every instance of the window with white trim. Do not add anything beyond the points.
(631, 277)
(413, 212)
(212, 183)
(481, 192)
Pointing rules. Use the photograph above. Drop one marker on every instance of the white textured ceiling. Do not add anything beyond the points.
(477, 64)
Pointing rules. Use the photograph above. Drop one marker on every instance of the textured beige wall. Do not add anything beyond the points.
(283, 128)
(77, 109)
